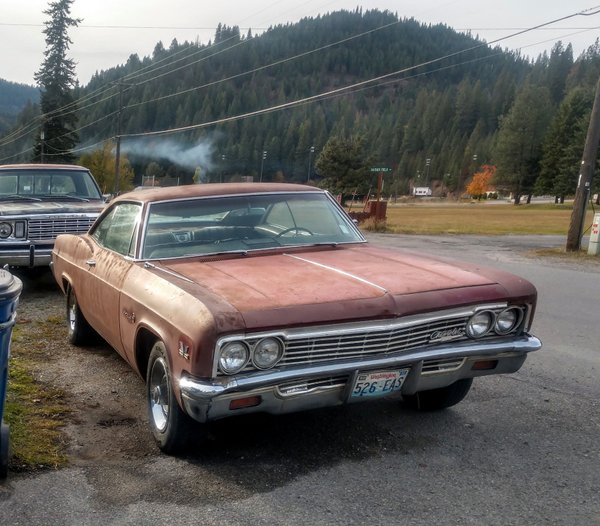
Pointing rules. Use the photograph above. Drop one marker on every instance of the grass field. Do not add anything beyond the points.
(480, 218)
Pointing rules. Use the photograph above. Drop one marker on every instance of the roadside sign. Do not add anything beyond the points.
(381, 169)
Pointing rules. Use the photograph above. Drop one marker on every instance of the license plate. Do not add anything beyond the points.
(378, 383)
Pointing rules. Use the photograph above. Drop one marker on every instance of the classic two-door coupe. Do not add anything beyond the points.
(236, 298)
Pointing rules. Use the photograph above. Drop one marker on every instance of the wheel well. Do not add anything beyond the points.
(143, 345)
(66, 285)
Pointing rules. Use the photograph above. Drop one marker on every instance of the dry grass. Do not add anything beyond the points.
(34, 410)
(480, 218)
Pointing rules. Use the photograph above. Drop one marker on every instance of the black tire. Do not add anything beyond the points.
(170, 426)
(80, 332)
(4, 450)
(436, 399)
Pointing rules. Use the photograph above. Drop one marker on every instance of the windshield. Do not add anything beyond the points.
(243, 223)
(48, 183)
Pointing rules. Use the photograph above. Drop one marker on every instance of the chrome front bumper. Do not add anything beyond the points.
(210, 399)
(25, 255)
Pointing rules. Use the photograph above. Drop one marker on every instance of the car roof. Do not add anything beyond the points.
(32, 166)
(212, 190)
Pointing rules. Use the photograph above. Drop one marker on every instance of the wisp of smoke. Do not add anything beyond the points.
(184, 155)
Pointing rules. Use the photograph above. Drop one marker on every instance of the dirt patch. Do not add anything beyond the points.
(107, 418)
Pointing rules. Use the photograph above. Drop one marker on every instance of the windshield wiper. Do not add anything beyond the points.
(223, 253)
(64, 196)
(21, 197)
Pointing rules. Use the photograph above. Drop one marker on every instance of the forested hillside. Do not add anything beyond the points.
(13, 99)
(429, 103)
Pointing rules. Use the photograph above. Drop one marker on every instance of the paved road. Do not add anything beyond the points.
(522, 449)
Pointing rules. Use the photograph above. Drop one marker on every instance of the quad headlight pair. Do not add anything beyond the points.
(264, 354)
(504, 322)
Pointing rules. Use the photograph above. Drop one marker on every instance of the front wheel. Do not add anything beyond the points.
(436, 399)
(170, 425)
(80, 332)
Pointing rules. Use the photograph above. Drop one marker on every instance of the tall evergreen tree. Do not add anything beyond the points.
(520, 137)
(56, 79)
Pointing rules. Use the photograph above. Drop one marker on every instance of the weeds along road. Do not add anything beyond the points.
(522, 449)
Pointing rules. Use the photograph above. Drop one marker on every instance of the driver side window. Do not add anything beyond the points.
(117, 230)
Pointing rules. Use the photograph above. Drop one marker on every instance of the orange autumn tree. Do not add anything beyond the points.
(480, 183)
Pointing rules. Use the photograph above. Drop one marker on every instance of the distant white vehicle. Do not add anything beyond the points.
(422, 191)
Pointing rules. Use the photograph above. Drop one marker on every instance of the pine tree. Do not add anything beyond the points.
(521, 133)
(56, 79)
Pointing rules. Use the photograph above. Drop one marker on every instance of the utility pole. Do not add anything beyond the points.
(311, 150)
(42, 137)
(584, 184)
(262, 164)
(118, 138)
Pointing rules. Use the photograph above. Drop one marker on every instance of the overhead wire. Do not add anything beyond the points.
(325, 95)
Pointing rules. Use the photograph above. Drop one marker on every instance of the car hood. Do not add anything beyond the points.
(342, 283)
(14, 208)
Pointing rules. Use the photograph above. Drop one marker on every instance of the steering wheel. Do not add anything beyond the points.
(295, 229)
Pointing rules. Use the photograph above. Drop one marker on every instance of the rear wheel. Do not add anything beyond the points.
(79, 330)
(170, 426)
(436, 399)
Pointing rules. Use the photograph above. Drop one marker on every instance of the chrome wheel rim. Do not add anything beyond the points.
(72, 312)
(158, 394)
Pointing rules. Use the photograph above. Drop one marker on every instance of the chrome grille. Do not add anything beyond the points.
(366, 343)
(442, 366)
(306, 386)
(49, 228)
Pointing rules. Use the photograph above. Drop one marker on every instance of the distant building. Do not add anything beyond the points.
(422, 191)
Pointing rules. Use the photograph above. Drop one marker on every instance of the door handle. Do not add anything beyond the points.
(91, 262)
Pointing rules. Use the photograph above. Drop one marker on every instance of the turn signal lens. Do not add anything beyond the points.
(234, 356)
(241, 403)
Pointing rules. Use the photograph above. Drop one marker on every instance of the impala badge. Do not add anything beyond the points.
(447, 335)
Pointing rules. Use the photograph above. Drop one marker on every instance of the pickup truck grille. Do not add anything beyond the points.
(49, 228)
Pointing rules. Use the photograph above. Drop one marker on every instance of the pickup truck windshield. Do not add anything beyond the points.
(48, 184)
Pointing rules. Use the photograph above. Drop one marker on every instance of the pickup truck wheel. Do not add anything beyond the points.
(79, 330)
(436, 399)
(171, 427)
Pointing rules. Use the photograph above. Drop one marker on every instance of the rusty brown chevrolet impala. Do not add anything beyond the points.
(237, 298)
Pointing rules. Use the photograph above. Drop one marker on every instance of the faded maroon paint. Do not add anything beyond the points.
(196, 300)
(307, 287)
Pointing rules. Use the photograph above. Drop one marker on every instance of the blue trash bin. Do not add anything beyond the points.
(10, 289)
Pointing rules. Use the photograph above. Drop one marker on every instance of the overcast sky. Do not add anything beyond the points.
(142, 23)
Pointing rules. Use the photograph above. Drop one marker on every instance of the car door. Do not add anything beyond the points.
(108, 267)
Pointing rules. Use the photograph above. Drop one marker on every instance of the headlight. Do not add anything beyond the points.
(234, 356)
(267, 353)
(480, 324)
(5, 230)
(507, 320)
